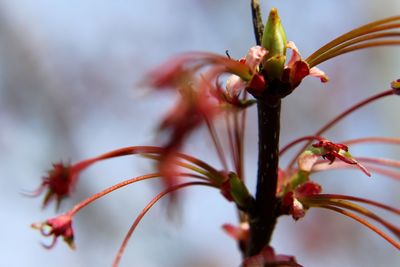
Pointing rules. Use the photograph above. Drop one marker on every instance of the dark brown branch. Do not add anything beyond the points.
(258, 25)
(263, 217)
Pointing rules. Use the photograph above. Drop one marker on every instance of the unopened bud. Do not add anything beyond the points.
(274, 40)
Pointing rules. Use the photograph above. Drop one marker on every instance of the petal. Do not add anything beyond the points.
(295, 54)
(234, 85)
(298, 71)
(254, 57)
(315, 72)
(257, 85)
(308, 189)
(307, 160)
(239, 233)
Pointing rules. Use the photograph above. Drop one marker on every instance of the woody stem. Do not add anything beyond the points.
(258, 26)
(263, 217)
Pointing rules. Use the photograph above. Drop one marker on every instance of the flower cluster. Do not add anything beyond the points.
(198, 78)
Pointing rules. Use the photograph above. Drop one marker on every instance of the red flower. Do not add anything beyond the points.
(58, 226)
(256, 84)
(297, 69)
(291, 202)
(332, 151)
(59, 182)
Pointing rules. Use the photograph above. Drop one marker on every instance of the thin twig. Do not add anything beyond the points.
(258, 25)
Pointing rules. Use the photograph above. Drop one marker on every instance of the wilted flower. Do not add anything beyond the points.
(59, 182)
(60, 226)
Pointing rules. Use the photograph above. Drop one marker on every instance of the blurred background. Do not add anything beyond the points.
(68, 90)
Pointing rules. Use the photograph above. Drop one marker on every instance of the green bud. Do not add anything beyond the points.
(274, 40)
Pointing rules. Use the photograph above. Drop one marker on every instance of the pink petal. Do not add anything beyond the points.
(315, 72)
(254, 57)
(239, 233)
(295, 54)
(234, 85)
(306, 161)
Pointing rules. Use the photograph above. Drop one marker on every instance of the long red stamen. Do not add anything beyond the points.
(341, 116)
(217, 144)
(380, 161)
(238, 141)
(364, 222)
(242, 130)
(372, 27)
(357, 199)
(354, 207)
(217, 177)
(134, 150)
(145, 210)
(389, 173)
(357, 47)
(231, 138)
(323, 166)
(89, 200)
(379, 140)
(297, 141)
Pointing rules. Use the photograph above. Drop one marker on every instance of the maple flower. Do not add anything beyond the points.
(297, 68)
(291, 201)
(60, 226)
(235, 84)
(332, 151)
(59, 182)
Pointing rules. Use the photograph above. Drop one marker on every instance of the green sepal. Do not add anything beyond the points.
(299, 178)
(274, 66)
(239, 192)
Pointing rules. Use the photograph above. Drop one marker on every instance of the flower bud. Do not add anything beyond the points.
(274, 40)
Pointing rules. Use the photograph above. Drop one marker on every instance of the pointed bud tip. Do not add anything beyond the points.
(273, 14)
